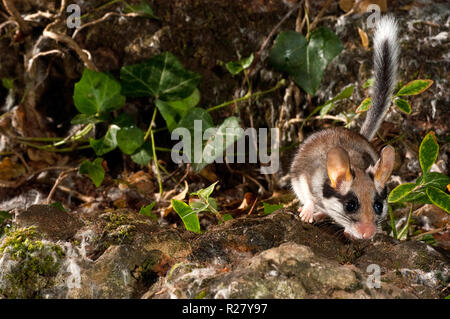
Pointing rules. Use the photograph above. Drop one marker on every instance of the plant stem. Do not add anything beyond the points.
(248, 96)
(155, 159)
(391, 217)
(408, 221)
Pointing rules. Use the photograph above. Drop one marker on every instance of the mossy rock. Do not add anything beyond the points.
(28, 264)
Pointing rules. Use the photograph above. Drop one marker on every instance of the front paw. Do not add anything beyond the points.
(306, 214)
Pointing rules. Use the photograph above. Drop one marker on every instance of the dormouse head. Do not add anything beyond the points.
(354, 198)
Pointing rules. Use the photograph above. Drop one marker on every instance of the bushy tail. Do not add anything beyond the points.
(385, 68)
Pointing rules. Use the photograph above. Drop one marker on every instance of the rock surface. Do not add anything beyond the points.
(121, 254)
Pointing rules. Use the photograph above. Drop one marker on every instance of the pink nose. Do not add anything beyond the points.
(366, 230)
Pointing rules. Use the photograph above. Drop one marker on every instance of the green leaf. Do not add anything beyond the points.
(188, 122)
(227, 217)
(305, 62)
(428, 151)
(97, 92)
(414, 87)
(59, 206)
(398, 193)
(235, 67)
(326, 108)
(142, 8)
(174, 111)
(184, 105)
(199, 206)
(107, 143)
(365, 105)
(162, 77)
(345, 93)
(329, 105)
(147, 211)
(8, 83)
(94, 170)
(439, 198)
(143, 155)
(123, 120)
(403, 105)
(368, 83)
(129, 139)
(225, 135)
(204, 193)
(196, 114)
(87, 119)
(187, 215)
(288, 52)
(170, 115)
(270, 208)
(435, 179)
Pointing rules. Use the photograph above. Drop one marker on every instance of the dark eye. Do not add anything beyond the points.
(351, 206)
(378, 207)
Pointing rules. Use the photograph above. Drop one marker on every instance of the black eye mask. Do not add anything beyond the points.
(349, 201)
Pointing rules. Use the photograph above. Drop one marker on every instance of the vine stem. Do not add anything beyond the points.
(248, 96)
(155, 159)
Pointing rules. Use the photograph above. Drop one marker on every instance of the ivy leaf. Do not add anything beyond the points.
(225, 135)
(188, 122)
(129, 139)
(147, 211)
(143, 155)
(8, 83)
(162, 77)
(107, 143)
(187, 215)
(398, 193)
(329, 105)
(345, 93)
(97, 92)
(204, 193)
(326, 108)
(227, 217)
(428, 151)
(270, 208)
(439, 198)
(94, 170)
(414, 87)
(403, 105)
(368, 83)
(123, 120)
(305, 62)
(142, 8)
(235, 67)
(365, 105)
(288, 52)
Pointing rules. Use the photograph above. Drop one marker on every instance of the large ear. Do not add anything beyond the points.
(383, 168)
(338, 169)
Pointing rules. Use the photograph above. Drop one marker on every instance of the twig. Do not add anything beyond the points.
(434, 231)
(84, 55)
(62, 7)
(266, 41)
(60, 178)
(31, 61)
(84, 198)
(11, 8)
(320, 14)
(106, 16)
(4, 24)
